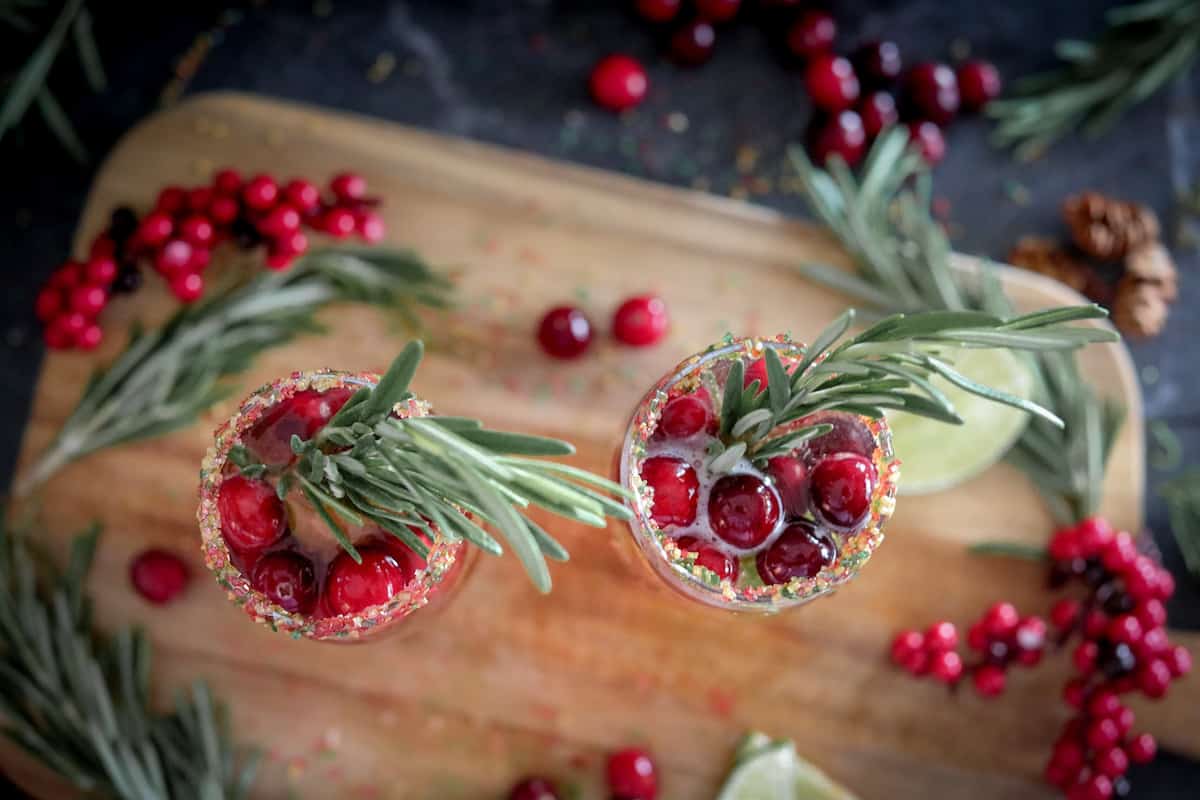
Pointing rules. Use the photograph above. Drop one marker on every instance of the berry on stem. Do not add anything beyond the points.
(878, 63)
(878, 111)
(941, 636)
(188, 287)
(631, 775)
(90, 337)
(260, 193)
(618, 82)
(534, 789)
(933, 89)
(348, 186)
(978, 83)
(302, 194)
(693, 44)
(989, 680)
(1141, 749)
(640, 321)
(564, 332)
(928, 138)
(158, 575)
(812, 34)
(946, 666)
(841, 134)
(831, 82)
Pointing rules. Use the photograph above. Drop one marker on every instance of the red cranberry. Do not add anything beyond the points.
(1141, 749)
(1095, 787)
(718, 10)
(933, 89)
(228, 181)
(848, 435)
(90, 337)
(801, 551)
(199, 199)
(756, 371)
(676, 490)
(158, 576)
(812, 34)
(197, 231)
(303, 414)
(155, 229)
(1031, 634)
(565, 332)
(930, 142)
(658, 10)
(906, 645)
(1119, 554)
(878, 111)
(685, 416)
(946, 666)
(188, 287)
(1179, 661)
(252, 516)
(281, 221)
(979, 84)
(1104, 703)
(831, 82)
(1001, 620)
(60, 333)
(1154, 642)
(841, 134)
(1074, 692)
(302, 194)
(351, 587)
(89, 300)
(640, 321)
(941, 636)
(260, 193)
(348, 186)
(841, 490)
(371, 227)
(724, 565)
(173, 258)
(1094, 535)
(619, 82)
(1153, 679)
(223, 209)
(287, 579)
(977, 637)
(1102, 734)
(199, 260)
(101, 271)
(790, 476)
(693, 44)
(103, 246)
(534, 789)
(1064, 614)
(742, 510)
(878, 63)
(68, 276)
(631, 775)
(171, 200)
(989, 680)
(1125, 628)
(1111, 762)
(48, 304)
(1124, 718)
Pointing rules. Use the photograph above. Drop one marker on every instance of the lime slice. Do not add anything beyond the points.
(935, 456)
(767, 774)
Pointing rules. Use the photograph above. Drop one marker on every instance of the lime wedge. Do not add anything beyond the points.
(766, 769)
(935, 456)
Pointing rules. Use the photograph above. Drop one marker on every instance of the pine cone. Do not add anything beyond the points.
(1107, 228)
(1152, 264)
(1139, 308)
(1046, 257)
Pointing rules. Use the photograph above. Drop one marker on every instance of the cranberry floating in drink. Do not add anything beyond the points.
(334, 505)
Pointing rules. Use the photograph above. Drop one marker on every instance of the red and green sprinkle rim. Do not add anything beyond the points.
(442, 555)
(678, 567)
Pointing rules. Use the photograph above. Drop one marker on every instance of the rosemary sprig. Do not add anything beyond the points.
(887, 366)
(1183, 507)
(414, 474)
(164, 379)
(1145, 46)
(902, 264)
(82, 708)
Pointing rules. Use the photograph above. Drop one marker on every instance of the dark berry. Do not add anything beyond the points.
(840, 134)
(129, 280)
(632, 775)
(171, 200)
(658, 10)
(978, 83)
(534, 789)
(158, 575)
(564, 332)
(693, 44)
(790, 476)
(933, 90)
(724, 565)
(640, 321)
(303, 414)
(718, 10)
(841, 490)
(287, 579)
(831, 82)
(227, 181)
(878, 63)
(252, 516)
(878, 111)
(812, 34)
(122, 224)
(848, 435)
(352, 587)
(676, 490)
(223, 209)
(1116, 660)
(742, 510)
(928, 139)
(618, 82)
(801, 551)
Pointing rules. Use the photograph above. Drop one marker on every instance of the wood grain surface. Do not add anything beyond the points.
(506, 682)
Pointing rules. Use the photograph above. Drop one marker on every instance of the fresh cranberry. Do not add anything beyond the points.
(1125, 628)
(1074, 692)
(223, 210)
(565, 332)
(68, 276)
(1094, 535)
(742, 510)
(371, 227)
(173, 258)
(90, 337)
(676, 490)
(103, 246)
(228, 181)
(534, 789)
(155, 229)
(252, 516)
(1104, 703)
(1124, 718)
(1153, 678)
(188, 287)
(756, 371)
(618, 82)
(89, 300)
(878, 63)
(260, 193)
(693, 44)
(941, 636)
(199, 199)
(1102, 733)
(724, 565)
(1111, 762)
(812, 34)
(1094, 787)
(906, 645)
(878, 111)
(801, 551)
(928, 138)
(989, 680)
(49, 304)
(303, 414)
(351, 587)
(287, 579)
(348, 186)
(1120, 553)
(1165, 585)
(1064, 614)
(658, 10)
(302, 194)
(200, 259)
(280, 221)
(1030, 634)
(197, 231)
(840, 134)
(1001, 620)
(946, 666)
(72, 323)
(101, 271)
(831, 82)
(848, 435)
(631, 775)
(640, 321)
(841, 490)
(58, 334)
(933, 89)
(790, 476)
(1154, 643)
(979, 84)
(684, 416)
(1179, 661)
(1141, 749)
(977, 637)
(158, 576)
(171, 200)
(718, 10)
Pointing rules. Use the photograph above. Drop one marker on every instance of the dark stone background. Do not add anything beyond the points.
(514, 73)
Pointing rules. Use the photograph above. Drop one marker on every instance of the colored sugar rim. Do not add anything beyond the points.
(442, 555)
(678, 567)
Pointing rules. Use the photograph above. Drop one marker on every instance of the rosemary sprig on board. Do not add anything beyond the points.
(82, 707)
(902, 264)
(408, 475)
(1183, 506)
(1145, 46)
(164, 379)
(888, 366)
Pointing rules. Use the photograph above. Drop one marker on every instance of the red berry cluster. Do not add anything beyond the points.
(566, 332)
(1118, 618)
(630, 773)
(177, 237)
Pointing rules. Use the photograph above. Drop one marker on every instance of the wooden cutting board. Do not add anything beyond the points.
(509, 682)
